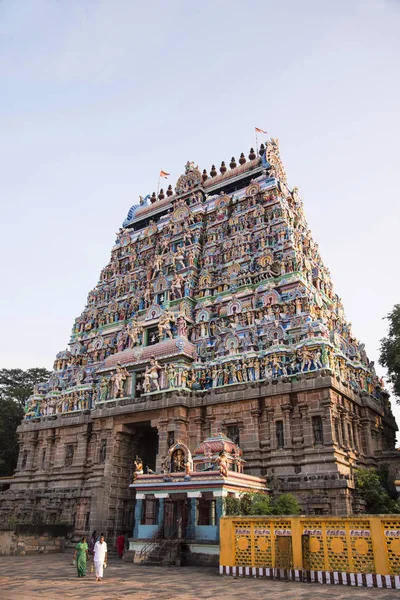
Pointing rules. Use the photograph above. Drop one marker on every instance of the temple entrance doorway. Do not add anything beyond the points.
(175, 516)
(145, 444)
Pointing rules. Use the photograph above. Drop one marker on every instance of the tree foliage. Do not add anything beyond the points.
(16, 386)
(373, 487)
(249, 503)
(390, 350)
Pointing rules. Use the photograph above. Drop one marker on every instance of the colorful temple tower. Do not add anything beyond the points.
(214, 314)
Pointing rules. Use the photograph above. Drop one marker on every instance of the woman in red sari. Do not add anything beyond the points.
(120, 545)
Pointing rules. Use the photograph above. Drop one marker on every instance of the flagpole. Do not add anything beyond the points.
(158, 186)
(256, 142)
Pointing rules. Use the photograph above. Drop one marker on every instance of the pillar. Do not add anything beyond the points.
(191, 528)
(161, 506)
(138, 514)
(287, 409)
(219, 508)
(133, 384)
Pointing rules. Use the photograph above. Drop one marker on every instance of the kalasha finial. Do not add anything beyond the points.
(161, 195)
(262, 150)
(252, 154)
(169, 191)
(204, 176)
(233, 164)
(223, 168)
(153, 198)
(213, 171)
(242, 159)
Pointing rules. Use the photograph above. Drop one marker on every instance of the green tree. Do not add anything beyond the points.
(370, 485)
(286, 504)
(16, 386)
(390, 350)
(250, 503)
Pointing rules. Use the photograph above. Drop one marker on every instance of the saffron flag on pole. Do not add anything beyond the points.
(164, 174)
(260, 130)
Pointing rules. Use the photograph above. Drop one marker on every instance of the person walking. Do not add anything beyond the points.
(80, 554)
(121, 545)
(100, 557)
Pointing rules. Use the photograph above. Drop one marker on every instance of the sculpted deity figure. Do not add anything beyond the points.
(158, 264)
(214, 375)
(178, 461)
(178, 259)
(181, 325)
(306, 357)
(191, 258)
(151, 376)
(147, 296)
(317, 359)
(119, 379)
(222, 463)
(134, 331)
(104, 385)
(138, 465)
(164, 324)
(171, 376)
(176, 286)
(203, 328)
(184, 378)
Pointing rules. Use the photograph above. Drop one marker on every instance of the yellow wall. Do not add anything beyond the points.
(362, 544)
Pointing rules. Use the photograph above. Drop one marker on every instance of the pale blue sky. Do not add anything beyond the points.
(97, 96)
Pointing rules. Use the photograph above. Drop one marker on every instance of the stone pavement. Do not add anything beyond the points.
(52, 577)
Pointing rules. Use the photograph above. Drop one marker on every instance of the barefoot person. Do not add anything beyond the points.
(80, 555)
(100, 557)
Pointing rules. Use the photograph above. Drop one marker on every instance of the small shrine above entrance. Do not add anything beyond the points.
(218, 452)
(186, 499)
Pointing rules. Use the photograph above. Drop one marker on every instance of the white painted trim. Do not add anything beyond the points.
(194, 494)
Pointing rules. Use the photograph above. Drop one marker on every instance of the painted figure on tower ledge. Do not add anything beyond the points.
(119, 380)
(151, 376)
(138, 465)
(164, 324)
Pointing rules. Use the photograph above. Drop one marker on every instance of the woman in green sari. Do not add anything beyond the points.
(80, 555)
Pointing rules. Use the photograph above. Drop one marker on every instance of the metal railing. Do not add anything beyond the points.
(157, 543)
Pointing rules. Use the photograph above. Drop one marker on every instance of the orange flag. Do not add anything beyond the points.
(260, 130)
(164, 174)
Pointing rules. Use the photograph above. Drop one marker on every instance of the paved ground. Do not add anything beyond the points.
(52, 577)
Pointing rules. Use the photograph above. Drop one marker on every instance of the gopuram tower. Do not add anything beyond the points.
(214, 313)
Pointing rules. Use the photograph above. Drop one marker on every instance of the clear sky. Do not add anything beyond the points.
(97, 96)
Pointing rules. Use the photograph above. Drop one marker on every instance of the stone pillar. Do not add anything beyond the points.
(161, 506)
(327, 422)
(138, 514)
(219, 496)
(199, 421)
(287, 442)
(181, 429)
(162, 426)
(191, 528)
(271, 425)
(133, 383)
(256, 414)
(345, 440)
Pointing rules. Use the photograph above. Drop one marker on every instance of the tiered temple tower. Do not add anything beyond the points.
(215, 313)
